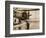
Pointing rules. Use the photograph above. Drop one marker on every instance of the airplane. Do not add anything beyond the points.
(25, 16)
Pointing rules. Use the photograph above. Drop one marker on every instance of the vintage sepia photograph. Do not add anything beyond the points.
(26, 18)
